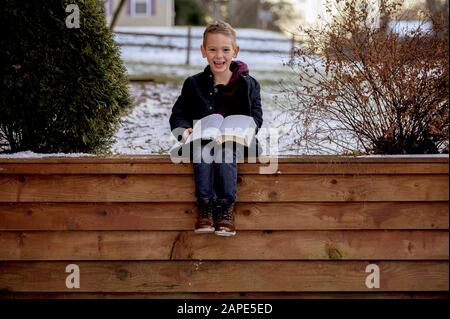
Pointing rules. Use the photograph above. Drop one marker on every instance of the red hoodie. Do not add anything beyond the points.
(230, 98)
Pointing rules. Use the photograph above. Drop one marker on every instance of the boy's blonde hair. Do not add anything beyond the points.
(222, 28)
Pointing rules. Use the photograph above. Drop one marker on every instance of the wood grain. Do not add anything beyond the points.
(246, 245)
(249, 216)
(225, 276)
(256, 188)
(329, 159)
(307, 231)
(169, 168)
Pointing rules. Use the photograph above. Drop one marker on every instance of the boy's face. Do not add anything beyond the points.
(219, 51)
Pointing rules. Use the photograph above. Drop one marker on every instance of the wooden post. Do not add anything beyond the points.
(189, 45)
(292, 45)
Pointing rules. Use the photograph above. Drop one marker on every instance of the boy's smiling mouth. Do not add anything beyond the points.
(219, 64)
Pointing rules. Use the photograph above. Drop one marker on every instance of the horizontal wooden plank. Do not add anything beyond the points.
(225, 276)
(224, 295)
(169, 168)
(116, 159)
(258, 188)
(247, 245)
(249, 216)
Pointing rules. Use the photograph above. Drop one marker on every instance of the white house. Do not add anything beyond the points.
(142, 12)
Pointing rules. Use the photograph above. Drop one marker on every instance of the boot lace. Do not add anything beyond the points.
(206, 211)
(225, 213)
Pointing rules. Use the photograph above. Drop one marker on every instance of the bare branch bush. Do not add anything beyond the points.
(361, 88)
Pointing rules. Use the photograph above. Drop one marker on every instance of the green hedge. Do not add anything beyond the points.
(62, 89)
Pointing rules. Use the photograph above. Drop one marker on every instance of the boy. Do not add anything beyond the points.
(224, 87)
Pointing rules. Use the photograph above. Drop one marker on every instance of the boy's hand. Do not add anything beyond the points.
(186, 133)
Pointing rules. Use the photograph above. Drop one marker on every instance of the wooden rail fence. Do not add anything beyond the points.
(310, 230)
(190, 37)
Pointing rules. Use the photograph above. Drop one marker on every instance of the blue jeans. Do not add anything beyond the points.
(217, 180)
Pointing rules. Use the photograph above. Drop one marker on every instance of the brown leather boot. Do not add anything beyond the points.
(205, 221)
(225, 220)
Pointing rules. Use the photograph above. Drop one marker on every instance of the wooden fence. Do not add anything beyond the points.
(310, 230)
(189, 37)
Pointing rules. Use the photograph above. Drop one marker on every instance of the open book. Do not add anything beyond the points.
(237, 128)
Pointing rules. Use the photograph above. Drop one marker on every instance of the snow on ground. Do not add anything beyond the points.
(404, 28)
(178, 57)
(29, 154)
(198, 31)
(266, 40)
(146, 130)
(408, 155)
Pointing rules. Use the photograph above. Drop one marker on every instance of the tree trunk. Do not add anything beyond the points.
(116, 14)
(384, 17)
(432, 6)
(439, 11)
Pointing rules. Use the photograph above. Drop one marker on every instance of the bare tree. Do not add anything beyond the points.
(362, 89)
(439, 11)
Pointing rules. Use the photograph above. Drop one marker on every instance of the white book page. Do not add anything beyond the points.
(207, 128)
(238, 121)
(240, 126)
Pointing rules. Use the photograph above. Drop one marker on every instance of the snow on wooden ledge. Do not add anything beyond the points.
(31, 157)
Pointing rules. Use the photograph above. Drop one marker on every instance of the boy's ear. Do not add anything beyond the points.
(236, 51)
(202, 48)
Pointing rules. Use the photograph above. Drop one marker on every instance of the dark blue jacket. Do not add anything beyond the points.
(197, 100)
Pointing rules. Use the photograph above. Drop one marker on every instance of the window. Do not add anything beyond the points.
(141, 7)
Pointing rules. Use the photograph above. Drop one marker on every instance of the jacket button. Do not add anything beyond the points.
(215, 90)
(210, 93)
